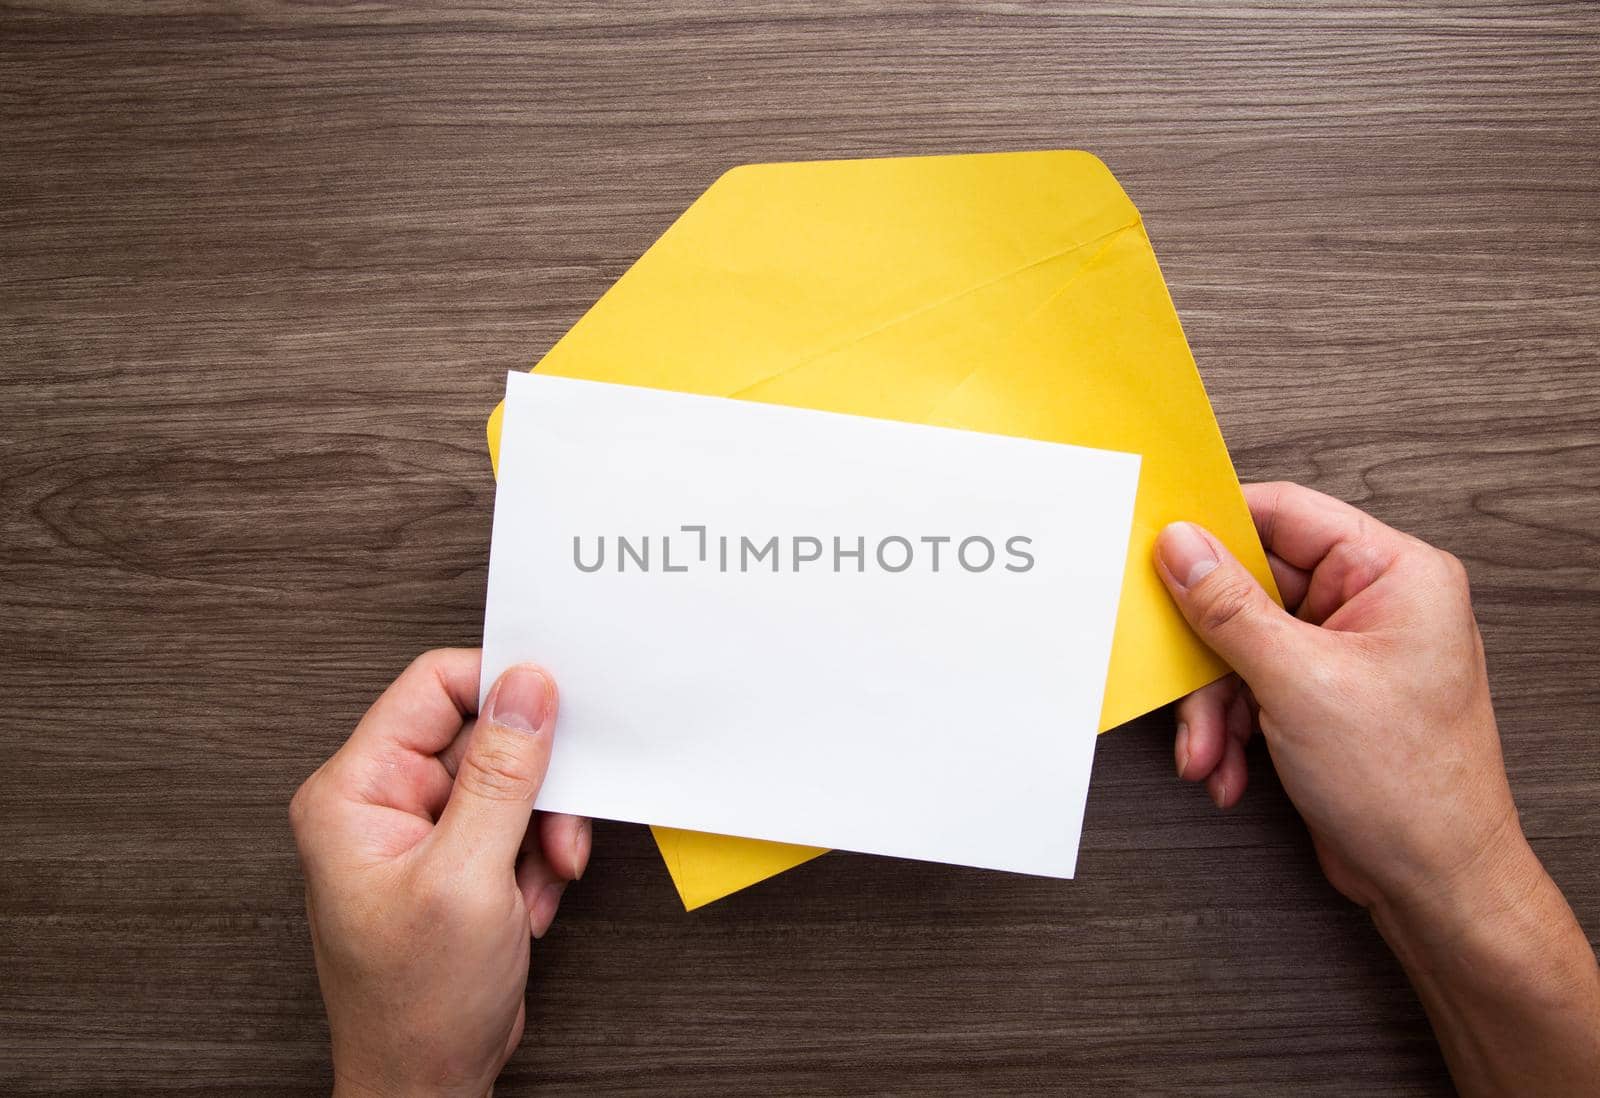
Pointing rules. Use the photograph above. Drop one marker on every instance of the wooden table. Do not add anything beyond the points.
(263, 273)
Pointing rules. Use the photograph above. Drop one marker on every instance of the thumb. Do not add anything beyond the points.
(502, 770)
(1223, 603)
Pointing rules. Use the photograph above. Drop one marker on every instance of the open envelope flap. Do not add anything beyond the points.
(777, 265)
(1014, 293)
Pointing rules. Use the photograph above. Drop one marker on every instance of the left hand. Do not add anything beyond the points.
(426, 876)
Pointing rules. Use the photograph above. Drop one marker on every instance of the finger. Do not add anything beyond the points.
(1346, 571)
(410, 782)
(1302, 527)
(1254, 706)
(1241, 717)
(1223, 603)
(1202, 728)
(436, 774)
(1340, 549)
(424, 708)
(450, 757)
(388, 760)
(565, 841)
(1292, 582)
(1227, 781)
(541, 888)
(541, 882)
(500, 773)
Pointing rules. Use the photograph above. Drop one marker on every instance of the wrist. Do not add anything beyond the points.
(1484, 899)
(1505, 972)
(346, 1085)
(350, 1081)
(1504, 929)
(351, 1085)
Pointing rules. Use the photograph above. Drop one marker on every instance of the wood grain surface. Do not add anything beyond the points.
(262, 269)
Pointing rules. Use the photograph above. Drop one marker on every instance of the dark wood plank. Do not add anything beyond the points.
(262, 268)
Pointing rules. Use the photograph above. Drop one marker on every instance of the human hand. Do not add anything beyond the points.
(1373, 697)
(426, 875)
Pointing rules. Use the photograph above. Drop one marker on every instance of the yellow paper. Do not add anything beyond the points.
(1013, 293)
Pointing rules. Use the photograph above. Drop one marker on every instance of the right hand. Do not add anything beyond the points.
(1370, 691)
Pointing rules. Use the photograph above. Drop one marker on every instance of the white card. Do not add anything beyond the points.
(687, 569)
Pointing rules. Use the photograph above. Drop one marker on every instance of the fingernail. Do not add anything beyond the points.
(544, 908)
(582, 844)
(1220, 795)
(1187, 553)
(1183, 747)
(521, 699)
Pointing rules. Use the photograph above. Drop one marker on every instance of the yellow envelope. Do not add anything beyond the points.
(1013, 293)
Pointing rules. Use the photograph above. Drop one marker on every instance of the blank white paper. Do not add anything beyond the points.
(726, 665)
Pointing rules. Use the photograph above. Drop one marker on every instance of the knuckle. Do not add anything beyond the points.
(1326, 679)
(479, 906)
(492, 769)
(1455, 572)
(424, 664)
(301, 806)
(454, 899)
(1267, 499)
(437, 896)
(1227, 604)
